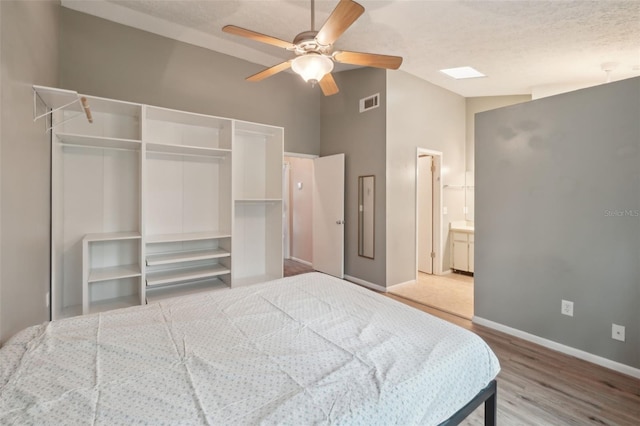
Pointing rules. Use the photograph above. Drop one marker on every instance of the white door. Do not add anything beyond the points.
(328, 215)
(425, 213)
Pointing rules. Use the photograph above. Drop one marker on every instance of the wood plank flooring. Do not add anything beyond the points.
(541, 387)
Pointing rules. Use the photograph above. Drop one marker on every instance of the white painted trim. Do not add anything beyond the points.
(396, 285)
(305, 262)
(568, 350)
(298, 155)
(365, 283)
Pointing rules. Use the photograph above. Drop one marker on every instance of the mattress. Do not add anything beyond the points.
(309, 349)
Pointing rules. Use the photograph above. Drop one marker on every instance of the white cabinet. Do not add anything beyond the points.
(462, 244)
(149, 203)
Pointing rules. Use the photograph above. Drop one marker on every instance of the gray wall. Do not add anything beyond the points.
(103, 58)
(558, 196)
(29, 52)
(362, 138)
(419, 114)
(473, 106)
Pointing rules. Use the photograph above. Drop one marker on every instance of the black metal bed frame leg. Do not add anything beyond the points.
(491, 408)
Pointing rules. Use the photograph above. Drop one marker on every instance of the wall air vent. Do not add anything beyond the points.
(370, 102)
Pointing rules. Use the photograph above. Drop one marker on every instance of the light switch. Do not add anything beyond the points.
(299, 185)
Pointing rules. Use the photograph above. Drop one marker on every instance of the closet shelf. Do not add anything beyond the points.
(112, 236)
(115, 303)
(114, 273)
(187, 150)
(185, 274)
(258, 200)
(159, 293)
(190, 236)
(185, 256)
(99, 141)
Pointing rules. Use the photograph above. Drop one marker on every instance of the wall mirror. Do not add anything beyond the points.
(366, 216)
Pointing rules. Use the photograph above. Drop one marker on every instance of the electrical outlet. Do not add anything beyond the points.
(617, 332)
(47, 300)
(567, 308)
(444, 210)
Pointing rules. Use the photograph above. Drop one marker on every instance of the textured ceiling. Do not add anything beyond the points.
(519, 45)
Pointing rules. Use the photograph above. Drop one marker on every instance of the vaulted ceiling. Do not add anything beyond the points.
(519, 45)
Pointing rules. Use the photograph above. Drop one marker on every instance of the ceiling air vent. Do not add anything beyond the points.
(370, 102)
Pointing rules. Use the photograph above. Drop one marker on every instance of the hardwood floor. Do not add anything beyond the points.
(538, 386)
(291, 268)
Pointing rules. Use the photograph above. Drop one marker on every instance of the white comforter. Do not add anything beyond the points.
(309, 349)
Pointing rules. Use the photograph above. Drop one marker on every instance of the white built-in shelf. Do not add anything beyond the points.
(99, 141)
(258, 200)
(112, 236)
(247, 128)
(114, 273)
(254, 279)
(58, 98)
(185, 274)
(70, 311)
(185, 256)
(116, 303)
(115, 107)
(187, 150)
(160, 293)
(186, 118)
(190, 236)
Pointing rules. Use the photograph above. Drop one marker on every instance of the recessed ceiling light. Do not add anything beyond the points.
(462, 72)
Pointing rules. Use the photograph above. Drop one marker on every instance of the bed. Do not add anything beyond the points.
(308, 349)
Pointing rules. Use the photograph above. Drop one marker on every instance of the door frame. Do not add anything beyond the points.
(436, 207)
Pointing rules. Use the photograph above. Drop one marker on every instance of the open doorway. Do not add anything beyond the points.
(297, 226)
(434, 285)
(429, 241)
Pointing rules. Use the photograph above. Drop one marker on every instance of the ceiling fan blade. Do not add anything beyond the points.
(242, 32)
(369, 59)
(269, 71)
(345, 14)
(328, 85)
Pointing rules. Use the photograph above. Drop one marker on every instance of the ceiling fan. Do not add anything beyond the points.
(314, 49)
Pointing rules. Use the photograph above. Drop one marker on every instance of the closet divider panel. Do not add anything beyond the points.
(164, 194)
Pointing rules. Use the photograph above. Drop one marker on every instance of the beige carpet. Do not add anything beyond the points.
(452, 293)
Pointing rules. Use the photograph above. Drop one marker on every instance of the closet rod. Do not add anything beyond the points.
(87, 109)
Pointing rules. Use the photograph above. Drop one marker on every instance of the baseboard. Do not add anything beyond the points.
(304, 262)
(568, 350)
(396, 285)
(365, 283)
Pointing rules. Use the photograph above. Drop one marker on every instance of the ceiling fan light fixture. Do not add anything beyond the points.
(312, 67)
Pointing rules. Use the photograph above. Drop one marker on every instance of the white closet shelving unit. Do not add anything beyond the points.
(96, 216)
(257, 195)
(187, 202)
(150, 203)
